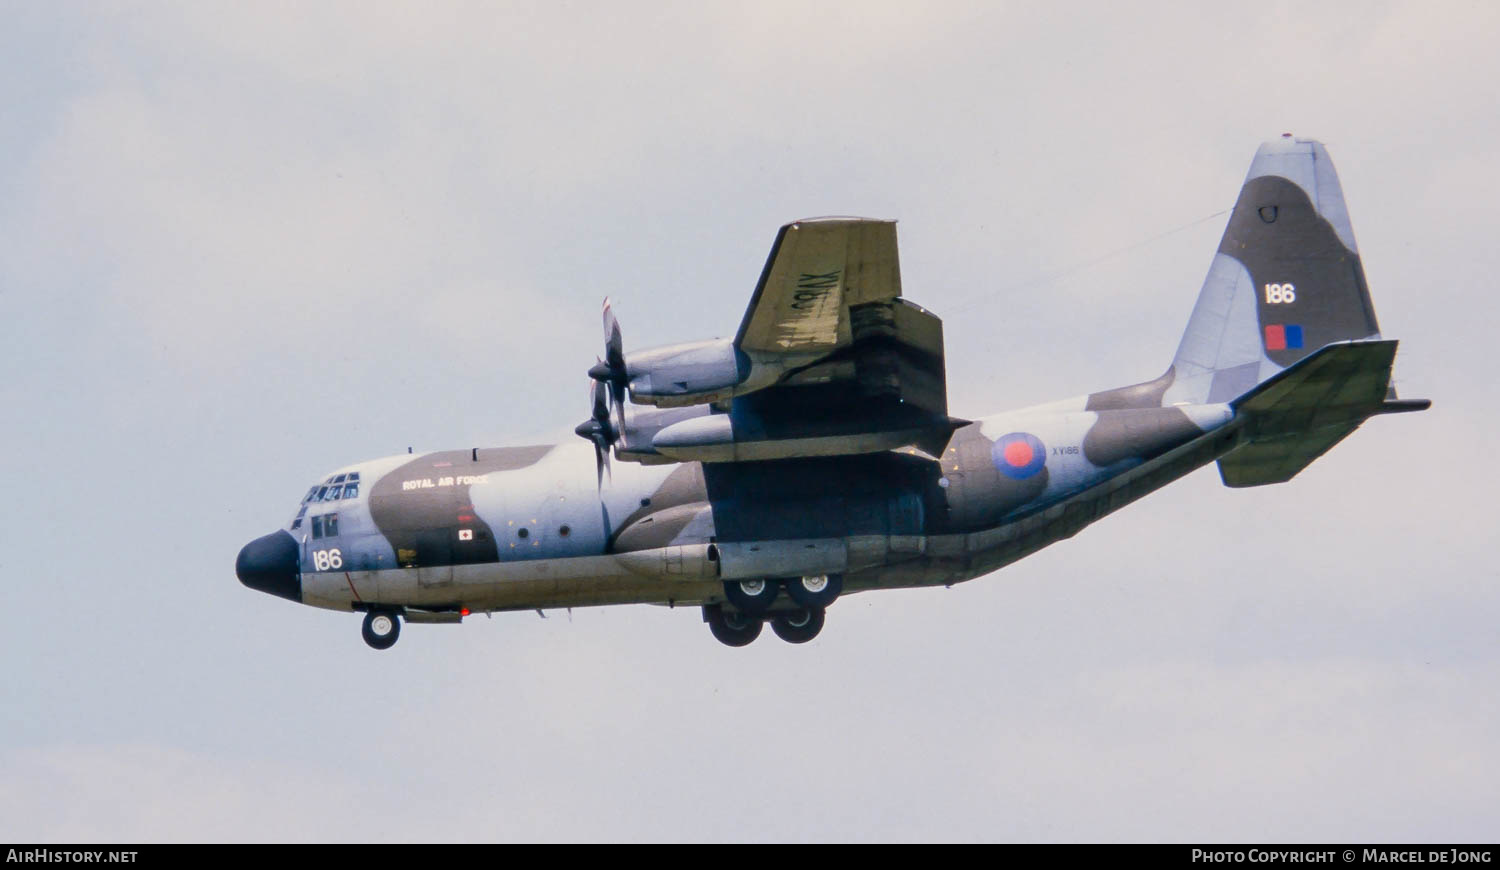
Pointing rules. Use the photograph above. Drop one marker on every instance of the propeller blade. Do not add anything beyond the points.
(600, 461)
(599, 393)
(614, 344)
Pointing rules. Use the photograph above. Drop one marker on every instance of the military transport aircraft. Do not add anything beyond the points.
(812, 455)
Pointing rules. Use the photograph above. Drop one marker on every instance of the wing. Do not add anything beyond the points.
(829, 360)
(818, 270)
(859, 368)
(828, 311)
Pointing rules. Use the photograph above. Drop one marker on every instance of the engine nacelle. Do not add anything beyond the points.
(694, 373)
(714, 438)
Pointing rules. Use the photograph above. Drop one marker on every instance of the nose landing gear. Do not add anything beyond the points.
(381, 629)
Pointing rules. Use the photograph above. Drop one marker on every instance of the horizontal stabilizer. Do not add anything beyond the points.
(1303, 411)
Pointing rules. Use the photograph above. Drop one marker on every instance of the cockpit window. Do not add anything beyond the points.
(297, 521)
(338, 479)
(322, 491)
(333, 493)
(354, 475)
(325, 526)
(351, 490)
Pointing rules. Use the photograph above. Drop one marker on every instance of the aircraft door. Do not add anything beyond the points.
(434, 558)
(907, 518)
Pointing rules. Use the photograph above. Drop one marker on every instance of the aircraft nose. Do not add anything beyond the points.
(270, 564)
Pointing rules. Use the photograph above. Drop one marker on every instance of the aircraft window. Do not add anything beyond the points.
(317, 526)
(329, 480)
(330, 525)
(354, 475)
(322, 491)
(339, 479)
(333, 493)
(351, 490)
(297, 521)
(310, 493)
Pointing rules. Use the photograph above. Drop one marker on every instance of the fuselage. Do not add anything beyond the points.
(503, 528)
(815, 454)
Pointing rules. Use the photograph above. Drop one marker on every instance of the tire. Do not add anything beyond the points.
(751, 597)
(818, 590)
(382, 629)
(798, 626)
(731, 629)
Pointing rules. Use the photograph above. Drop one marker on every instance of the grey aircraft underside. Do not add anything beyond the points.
(812, 455)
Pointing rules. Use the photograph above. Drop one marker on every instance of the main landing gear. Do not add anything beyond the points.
(381, 629)
(752, 602)
(732, 628)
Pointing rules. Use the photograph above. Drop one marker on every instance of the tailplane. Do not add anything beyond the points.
(1303, 411)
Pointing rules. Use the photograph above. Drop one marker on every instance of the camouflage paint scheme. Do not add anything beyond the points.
(506, 528)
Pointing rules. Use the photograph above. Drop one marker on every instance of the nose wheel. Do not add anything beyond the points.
(381, 629)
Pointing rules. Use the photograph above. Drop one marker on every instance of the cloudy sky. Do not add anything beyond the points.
(243, 244)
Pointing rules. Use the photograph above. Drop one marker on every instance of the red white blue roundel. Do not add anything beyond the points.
(1019, 455)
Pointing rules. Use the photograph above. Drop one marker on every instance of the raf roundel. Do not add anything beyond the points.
(1019, 455)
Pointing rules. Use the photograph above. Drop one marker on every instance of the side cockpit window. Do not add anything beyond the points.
(351, 490)
(297, 520)
(325, 526)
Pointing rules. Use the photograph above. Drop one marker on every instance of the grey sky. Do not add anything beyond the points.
(242, 244)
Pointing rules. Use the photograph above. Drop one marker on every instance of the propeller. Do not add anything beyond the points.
(599, 428)
(606, 423)
(611, 369)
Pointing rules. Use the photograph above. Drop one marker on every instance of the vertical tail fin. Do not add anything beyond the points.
(1286, 280)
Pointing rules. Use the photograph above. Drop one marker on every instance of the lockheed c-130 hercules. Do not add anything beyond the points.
(812, 455)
